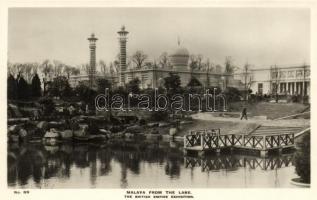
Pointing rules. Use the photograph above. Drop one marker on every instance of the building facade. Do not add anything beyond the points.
(85, 79)
(283, 80)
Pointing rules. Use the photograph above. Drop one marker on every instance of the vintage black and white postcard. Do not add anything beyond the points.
(158, 102)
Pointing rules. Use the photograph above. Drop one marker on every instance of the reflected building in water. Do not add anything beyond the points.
(39, 166)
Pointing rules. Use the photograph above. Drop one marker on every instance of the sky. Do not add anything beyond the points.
(259, 36)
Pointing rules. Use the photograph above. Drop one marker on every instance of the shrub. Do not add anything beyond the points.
(48, 105)
(295, 98)
(302, 160)
(142, 122)
(232, 94)
(159, 115)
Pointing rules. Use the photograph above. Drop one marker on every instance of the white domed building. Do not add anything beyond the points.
(179, 60)
(153, 76)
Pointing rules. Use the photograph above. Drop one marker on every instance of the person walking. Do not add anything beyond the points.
(244, 114)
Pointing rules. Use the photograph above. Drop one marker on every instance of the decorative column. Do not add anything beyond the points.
(123, 54)
(92, 64)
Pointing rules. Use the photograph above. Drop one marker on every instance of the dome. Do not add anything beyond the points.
(181, 52)
(179, 58)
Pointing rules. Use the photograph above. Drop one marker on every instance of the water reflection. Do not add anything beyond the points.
(124, 164)
(233, 162)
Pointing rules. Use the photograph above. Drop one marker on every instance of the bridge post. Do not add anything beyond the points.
(264, 142)
(231, 140)
(263, 153)
(202, 141)
(218, 151)
(185, 152)
(201, 153)
(280, 148)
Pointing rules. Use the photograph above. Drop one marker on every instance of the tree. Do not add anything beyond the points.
(218, 69)
(85, 94)
(36, 86)
(138, 58)
(12, 87)
(116, 66)
(164, 61)
(275, 80)
(67, 71)
(11, 69)
(22, 88)
(134, 86)
(194, 82)
(58, 68)
(102, 84)
(85, 68)
(193, 62)
(35, 67)
(172, 82)
(60, 87)
(113, 69)
(229, 67)
(27, 71)
(199, 62)
(247, 80)
(209, 67)
(46, 68)
(75, 71)
(103, 67)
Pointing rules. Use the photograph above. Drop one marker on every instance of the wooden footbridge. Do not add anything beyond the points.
(202, 141)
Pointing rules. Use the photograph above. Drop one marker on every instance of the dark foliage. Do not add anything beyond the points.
(159, 115)
(302, 160)
(134, 86)
(194, 82)
(22, 89)
(232, 94)
(48, 105)
(86, 94)
(60, 87)
(172, 82)
(12, 87)
(102, 84)
(36, 86)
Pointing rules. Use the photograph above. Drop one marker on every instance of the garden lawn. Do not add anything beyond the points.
(271, 110)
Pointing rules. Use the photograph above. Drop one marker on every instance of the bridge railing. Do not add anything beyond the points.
(198, 137)
(192, 140)
(279, 140)
(214, 140)
(263, 142)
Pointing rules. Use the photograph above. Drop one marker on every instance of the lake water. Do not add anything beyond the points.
(140, 165)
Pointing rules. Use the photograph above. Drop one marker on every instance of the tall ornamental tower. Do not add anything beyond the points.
(123, 53)
(92, 64)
